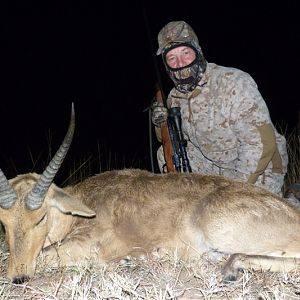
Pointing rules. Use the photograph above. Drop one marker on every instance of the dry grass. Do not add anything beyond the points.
(149, 278)
(293, 148)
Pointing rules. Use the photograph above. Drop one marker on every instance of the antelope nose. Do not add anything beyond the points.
(20, 279)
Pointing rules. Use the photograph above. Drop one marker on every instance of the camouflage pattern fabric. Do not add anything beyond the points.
(229, 131)
(175, 32)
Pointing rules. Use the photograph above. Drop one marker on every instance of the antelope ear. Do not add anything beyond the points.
(67, 203)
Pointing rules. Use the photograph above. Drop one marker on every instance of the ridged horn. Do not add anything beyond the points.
(36, 196)
(7, 195)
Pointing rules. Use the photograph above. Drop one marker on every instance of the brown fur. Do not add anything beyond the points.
(131, 212)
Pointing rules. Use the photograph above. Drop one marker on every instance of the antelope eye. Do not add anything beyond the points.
(2, 227)
(42, 220)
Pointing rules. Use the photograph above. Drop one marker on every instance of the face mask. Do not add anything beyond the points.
(187, 78)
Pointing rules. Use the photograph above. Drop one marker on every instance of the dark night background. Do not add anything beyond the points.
(99, 57)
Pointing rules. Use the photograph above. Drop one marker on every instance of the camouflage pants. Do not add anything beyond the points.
(199, 164)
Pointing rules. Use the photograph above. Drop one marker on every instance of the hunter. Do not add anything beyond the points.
(225, 120)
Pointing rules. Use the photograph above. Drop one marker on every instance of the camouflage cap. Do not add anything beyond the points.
(175, 32)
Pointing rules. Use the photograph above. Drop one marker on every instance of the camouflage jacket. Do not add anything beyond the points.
(227, 120)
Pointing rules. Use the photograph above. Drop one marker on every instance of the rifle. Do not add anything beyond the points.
(165, 135)
(174, 144)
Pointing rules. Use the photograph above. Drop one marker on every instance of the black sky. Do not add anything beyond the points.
(99, 57)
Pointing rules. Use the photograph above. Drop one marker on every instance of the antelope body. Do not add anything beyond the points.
(133, 212)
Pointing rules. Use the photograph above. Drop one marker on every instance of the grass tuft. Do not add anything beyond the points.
(151, 278)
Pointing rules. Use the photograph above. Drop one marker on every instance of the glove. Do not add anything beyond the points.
(159, 113)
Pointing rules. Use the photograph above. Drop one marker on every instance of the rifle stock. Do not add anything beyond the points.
(166, 141)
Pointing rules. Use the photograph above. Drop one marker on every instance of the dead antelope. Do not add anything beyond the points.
(132, 212)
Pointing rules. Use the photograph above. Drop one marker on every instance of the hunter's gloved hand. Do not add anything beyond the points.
(159, 113)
